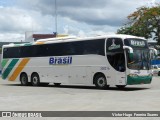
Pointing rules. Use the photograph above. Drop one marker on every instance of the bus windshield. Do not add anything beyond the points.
(140, 60)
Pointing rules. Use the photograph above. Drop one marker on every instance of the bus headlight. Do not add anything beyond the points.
(133, 75)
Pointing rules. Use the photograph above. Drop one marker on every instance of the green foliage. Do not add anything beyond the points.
(144, 22)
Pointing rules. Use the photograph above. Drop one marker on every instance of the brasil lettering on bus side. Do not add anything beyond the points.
(60, 60)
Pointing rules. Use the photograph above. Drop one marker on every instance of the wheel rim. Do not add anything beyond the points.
(101, 82)
(24, 80)
(35, 80)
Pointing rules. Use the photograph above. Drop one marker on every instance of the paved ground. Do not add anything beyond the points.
(14, 97)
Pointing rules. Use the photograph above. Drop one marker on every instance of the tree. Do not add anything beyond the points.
(144, 22)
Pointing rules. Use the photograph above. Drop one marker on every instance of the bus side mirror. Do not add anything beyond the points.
(153, 53)
(130, 51)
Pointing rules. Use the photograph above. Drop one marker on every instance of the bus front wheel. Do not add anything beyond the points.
(24, 79)
(35, 79)
(100, 81)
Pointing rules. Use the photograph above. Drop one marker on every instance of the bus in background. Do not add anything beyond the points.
(111, 60)
(155, 60)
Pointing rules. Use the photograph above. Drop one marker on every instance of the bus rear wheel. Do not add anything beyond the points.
(35, 79)
(100, 81)
(24, 79)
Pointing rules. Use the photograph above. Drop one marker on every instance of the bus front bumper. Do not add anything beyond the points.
(134, 80)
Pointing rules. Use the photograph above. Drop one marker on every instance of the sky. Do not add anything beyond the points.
(74, 17)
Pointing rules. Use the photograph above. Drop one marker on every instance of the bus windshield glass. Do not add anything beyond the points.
(141, 59)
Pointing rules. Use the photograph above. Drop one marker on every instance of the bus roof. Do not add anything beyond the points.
(71, 38)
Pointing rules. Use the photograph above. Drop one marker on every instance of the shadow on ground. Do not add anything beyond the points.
(83, 87)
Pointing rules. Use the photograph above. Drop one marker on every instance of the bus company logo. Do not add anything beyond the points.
(60, 60)
(113, 46)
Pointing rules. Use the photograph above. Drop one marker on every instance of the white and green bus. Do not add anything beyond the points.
(111, 60)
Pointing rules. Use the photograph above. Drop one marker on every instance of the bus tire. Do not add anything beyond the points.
(100, 81)
(159, 73)
(120, 86)
(24, 79)
(35, 80)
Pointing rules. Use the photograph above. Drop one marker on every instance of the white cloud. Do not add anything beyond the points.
(14, 20)
(17, 21)
(94, 12)
(11, 37)
(76, 17)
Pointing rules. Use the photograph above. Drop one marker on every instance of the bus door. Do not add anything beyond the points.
(116, 58)
(120, 69)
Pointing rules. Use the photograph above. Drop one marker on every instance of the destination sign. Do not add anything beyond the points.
(138, 43)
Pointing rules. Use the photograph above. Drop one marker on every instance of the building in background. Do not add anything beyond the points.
(42, 36)
(31, 37)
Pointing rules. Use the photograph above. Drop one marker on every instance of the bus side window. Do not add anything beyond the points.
(70, 49)
(13, 52)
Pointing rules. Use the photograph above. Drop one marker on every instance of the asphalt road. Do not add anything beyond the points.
(14, 97)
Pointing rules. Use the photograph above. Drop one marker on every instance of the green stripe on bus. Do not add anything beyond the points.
(9, 68)
(17, 45)
(27, 44)
(4, 62)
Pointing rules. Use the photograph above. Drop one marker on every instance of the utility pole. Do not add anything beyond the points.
(158, 32)
(56, 17)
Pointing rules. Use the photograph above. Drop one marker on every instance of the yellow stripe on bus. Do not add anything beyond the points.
(17, 71)
(39, 43)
